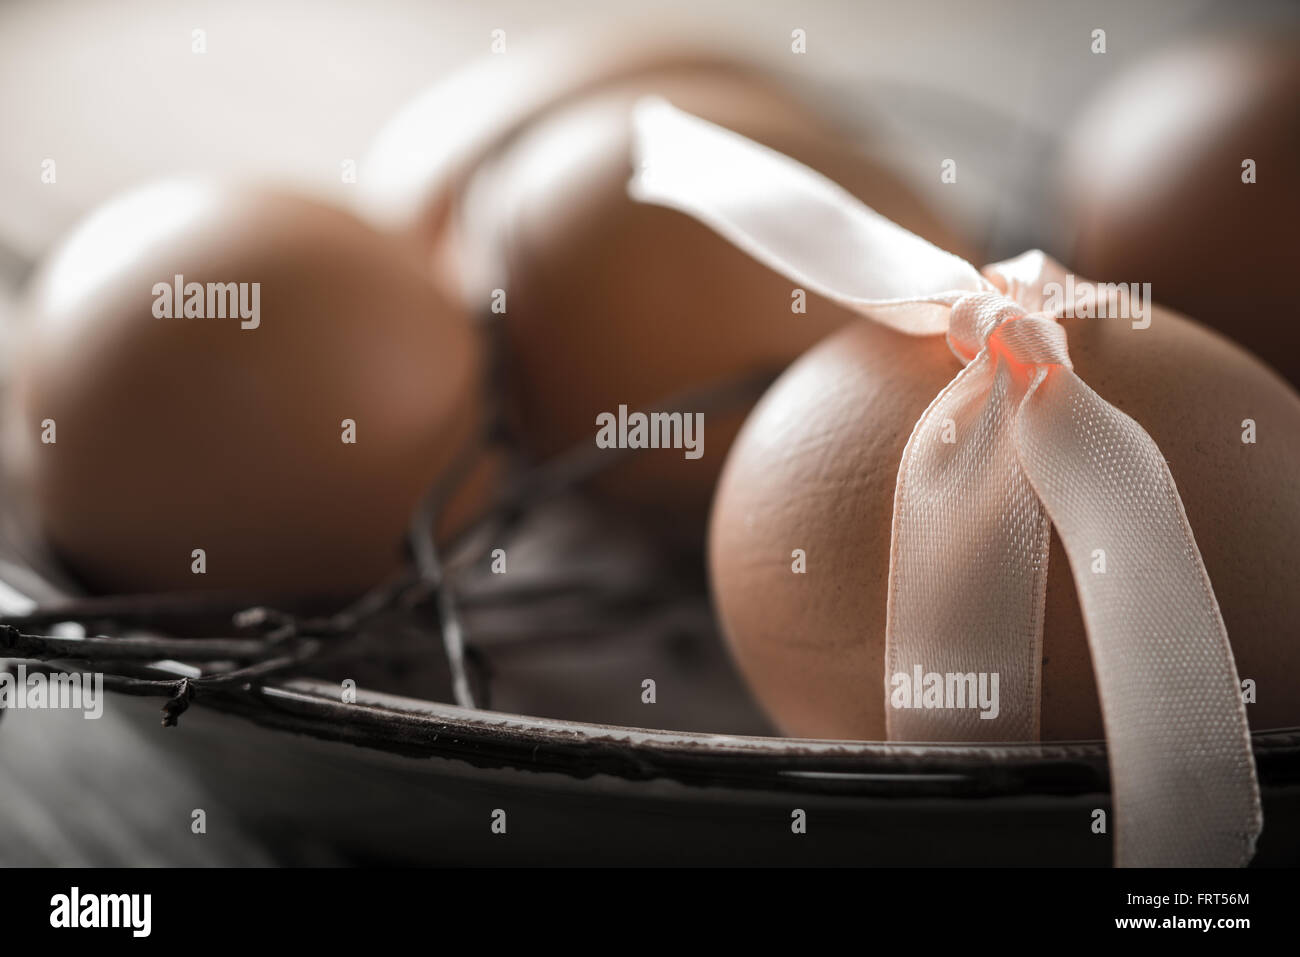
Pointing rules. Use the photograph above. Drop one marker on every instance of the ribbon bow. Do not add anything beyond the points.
(1014, 445)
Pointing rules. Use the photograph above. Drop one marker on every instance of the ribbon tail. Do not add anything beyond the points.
(968, 570)
(794, 220)
(1182, 772)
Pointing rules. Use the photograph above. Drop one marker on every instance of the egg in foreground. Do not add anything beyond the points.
(815, 468)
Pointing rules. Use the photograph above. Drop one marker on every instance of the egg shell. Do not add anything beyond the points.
(1152, 177)
(614, 302)
(815, 469)
(422, 156)
(175, 434)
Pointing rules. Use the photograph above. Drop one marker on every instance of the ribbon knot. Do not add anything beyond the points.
(1014, 447)
(991, 320)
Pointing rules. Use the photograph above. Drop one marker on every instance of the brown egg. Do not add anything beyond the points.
(815, 467)
(228, 434)
(420, 160)
(616, 303)
(609, 302)
(1153, 177)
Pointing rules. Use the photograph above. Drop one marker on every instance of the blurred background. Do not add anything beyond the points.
(287, 90)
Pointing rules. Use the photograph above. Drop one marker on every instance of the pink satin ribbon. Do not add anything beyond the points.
(1014, 445)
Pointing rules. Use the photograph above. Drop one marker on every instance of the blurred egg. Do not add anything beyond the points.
(815, 469)
(512, 175)
(289, 442)
(1153, 179)
(422, 157)
(613, 303)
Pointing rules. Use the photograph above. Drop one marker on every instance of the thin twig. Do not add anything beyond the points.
(15, 644)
